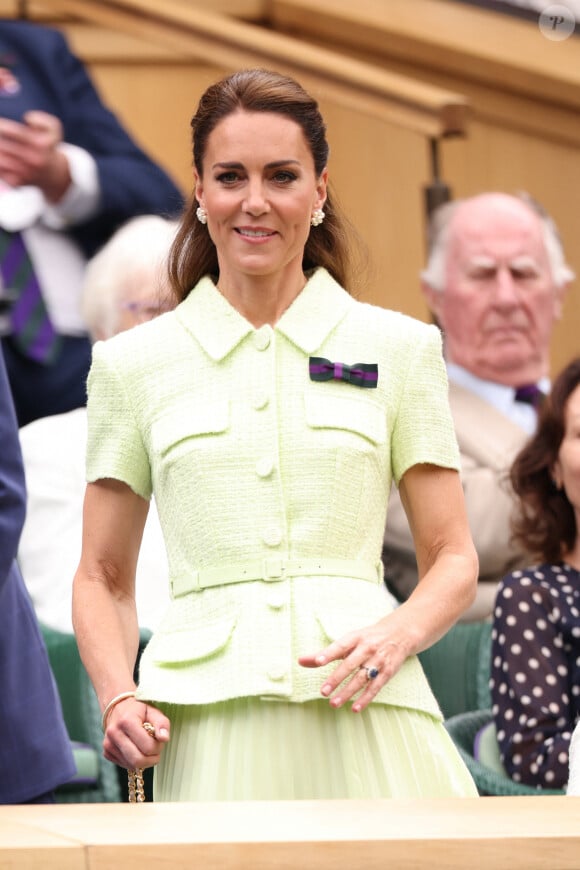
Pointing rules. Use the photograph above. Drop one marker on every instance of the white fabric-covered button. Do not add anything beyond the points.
(277, 600)
(262, 337)
(272, 536)
(277, 674)
(261, 401)
(264, 467)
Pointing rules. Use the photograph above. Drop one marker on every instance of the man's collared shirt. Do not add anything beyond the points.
(500, 396)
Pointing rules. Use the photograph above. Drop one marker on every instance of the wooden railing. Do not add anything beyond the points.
(195, 33)
(492, 833)
(454, 45)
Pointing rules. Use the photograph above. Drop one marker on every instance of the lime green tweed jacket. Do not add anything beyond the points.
(253, 463)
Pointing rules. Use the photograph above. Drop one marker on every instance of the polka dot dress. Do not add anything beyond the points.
(535, 674)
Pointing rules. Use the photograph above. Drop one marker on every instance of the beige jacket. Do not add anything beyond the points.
(488, 443)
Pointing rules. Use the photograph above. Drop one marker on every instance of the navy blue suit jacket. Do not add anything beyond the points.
(35, 752)
(49, 77)
(54, 80)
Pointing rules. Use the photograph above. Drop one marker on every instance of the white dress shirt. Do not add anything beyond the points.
(53, 449)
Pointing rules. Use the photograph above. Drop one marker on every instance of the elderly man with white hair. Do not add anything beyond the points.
(495, 282)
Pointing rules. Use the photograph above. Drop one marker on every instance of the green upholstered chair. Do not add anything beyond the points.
(458, 668)
(473, 733)
(97, 779)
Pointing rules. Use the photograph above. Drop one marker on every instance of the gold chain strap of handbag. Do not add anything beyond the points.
(136, 786)
(135, 775)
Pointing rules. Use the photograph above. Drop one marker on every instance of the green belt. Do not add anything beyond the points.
(273, 570)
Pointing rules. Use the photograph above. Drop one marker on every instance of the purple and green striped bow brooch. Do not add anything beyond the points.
(359, 374)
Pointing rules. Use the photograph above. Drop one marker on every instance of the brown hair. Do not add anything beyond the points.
(546, 524)
(193, 253)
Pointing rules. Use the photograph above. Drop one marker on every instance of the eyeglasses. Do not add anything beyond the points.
(143, 311)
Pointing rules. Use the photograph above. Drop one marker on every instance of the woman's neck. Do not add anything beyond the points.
(262, 299)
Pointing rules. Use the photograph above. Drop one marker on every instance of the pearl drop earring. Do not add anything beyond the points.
(317, 217)
(201, 215)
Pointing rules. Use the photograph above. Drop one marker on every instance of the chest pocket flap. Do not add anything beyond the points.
(208, 416)
(353, 414)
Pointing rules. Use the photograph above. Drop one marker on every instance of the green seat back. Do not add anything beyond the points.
(458, 668)
(489, 780)
(82, 717)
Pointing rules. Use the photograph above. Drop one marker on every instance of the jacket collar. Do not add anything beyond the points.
(492, 445)
(219, 327)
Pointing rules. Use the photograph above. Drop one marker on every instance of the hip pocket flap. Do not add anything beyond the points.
(193, 645)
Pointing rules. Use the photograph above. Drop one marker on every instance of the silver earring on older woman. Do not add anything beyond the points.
(317, 217)
(201, 215)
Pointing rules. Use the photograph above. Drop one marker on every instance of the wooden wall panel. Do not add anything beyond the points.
(512, 145)
(524, 92)
(379, 171)
(515, 140)
(251, 10)
(155, 103)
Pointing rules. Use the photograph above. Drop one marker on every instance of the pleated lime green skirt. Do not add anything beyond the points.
(254, 749)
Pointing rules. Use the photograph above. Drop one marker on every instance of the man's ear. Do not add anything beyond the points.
(433, 298)
(559, 296)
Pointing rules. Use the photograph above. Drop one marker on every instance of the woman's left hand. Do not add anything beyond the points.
(369, 658)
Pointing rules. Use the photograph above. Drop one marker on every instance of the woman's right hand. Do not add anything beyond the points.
(127, 742)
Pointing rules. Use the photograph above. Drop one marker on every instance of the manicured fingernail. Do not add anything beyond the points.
(163, 732)
(320, 660)
(356, 708)
(326, 690)
(336, 702)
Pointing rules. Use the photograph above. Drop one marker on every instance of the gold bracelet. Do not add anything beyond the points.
(113, 703)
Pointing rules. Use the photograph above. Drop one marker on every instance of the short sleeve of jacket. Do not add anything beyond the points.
(115, 447)
(423, 428)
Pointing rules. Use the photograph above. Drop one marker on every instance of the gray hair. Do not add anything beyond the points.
(136, 251)
(434, 273)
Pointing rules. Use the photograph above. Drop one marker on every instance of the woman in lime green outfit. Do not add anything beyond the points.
(269, 414)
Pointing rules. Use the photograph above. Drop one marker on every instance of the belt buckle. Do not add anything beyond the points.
(272, 569)
(195, 582)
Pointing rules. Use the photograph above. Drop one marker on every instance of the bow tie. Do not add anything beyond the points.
(359, 374)
(531, 394)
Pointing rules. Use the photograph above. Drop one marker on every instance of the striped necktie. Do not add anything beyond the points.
(31, 329)
(530, 394)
